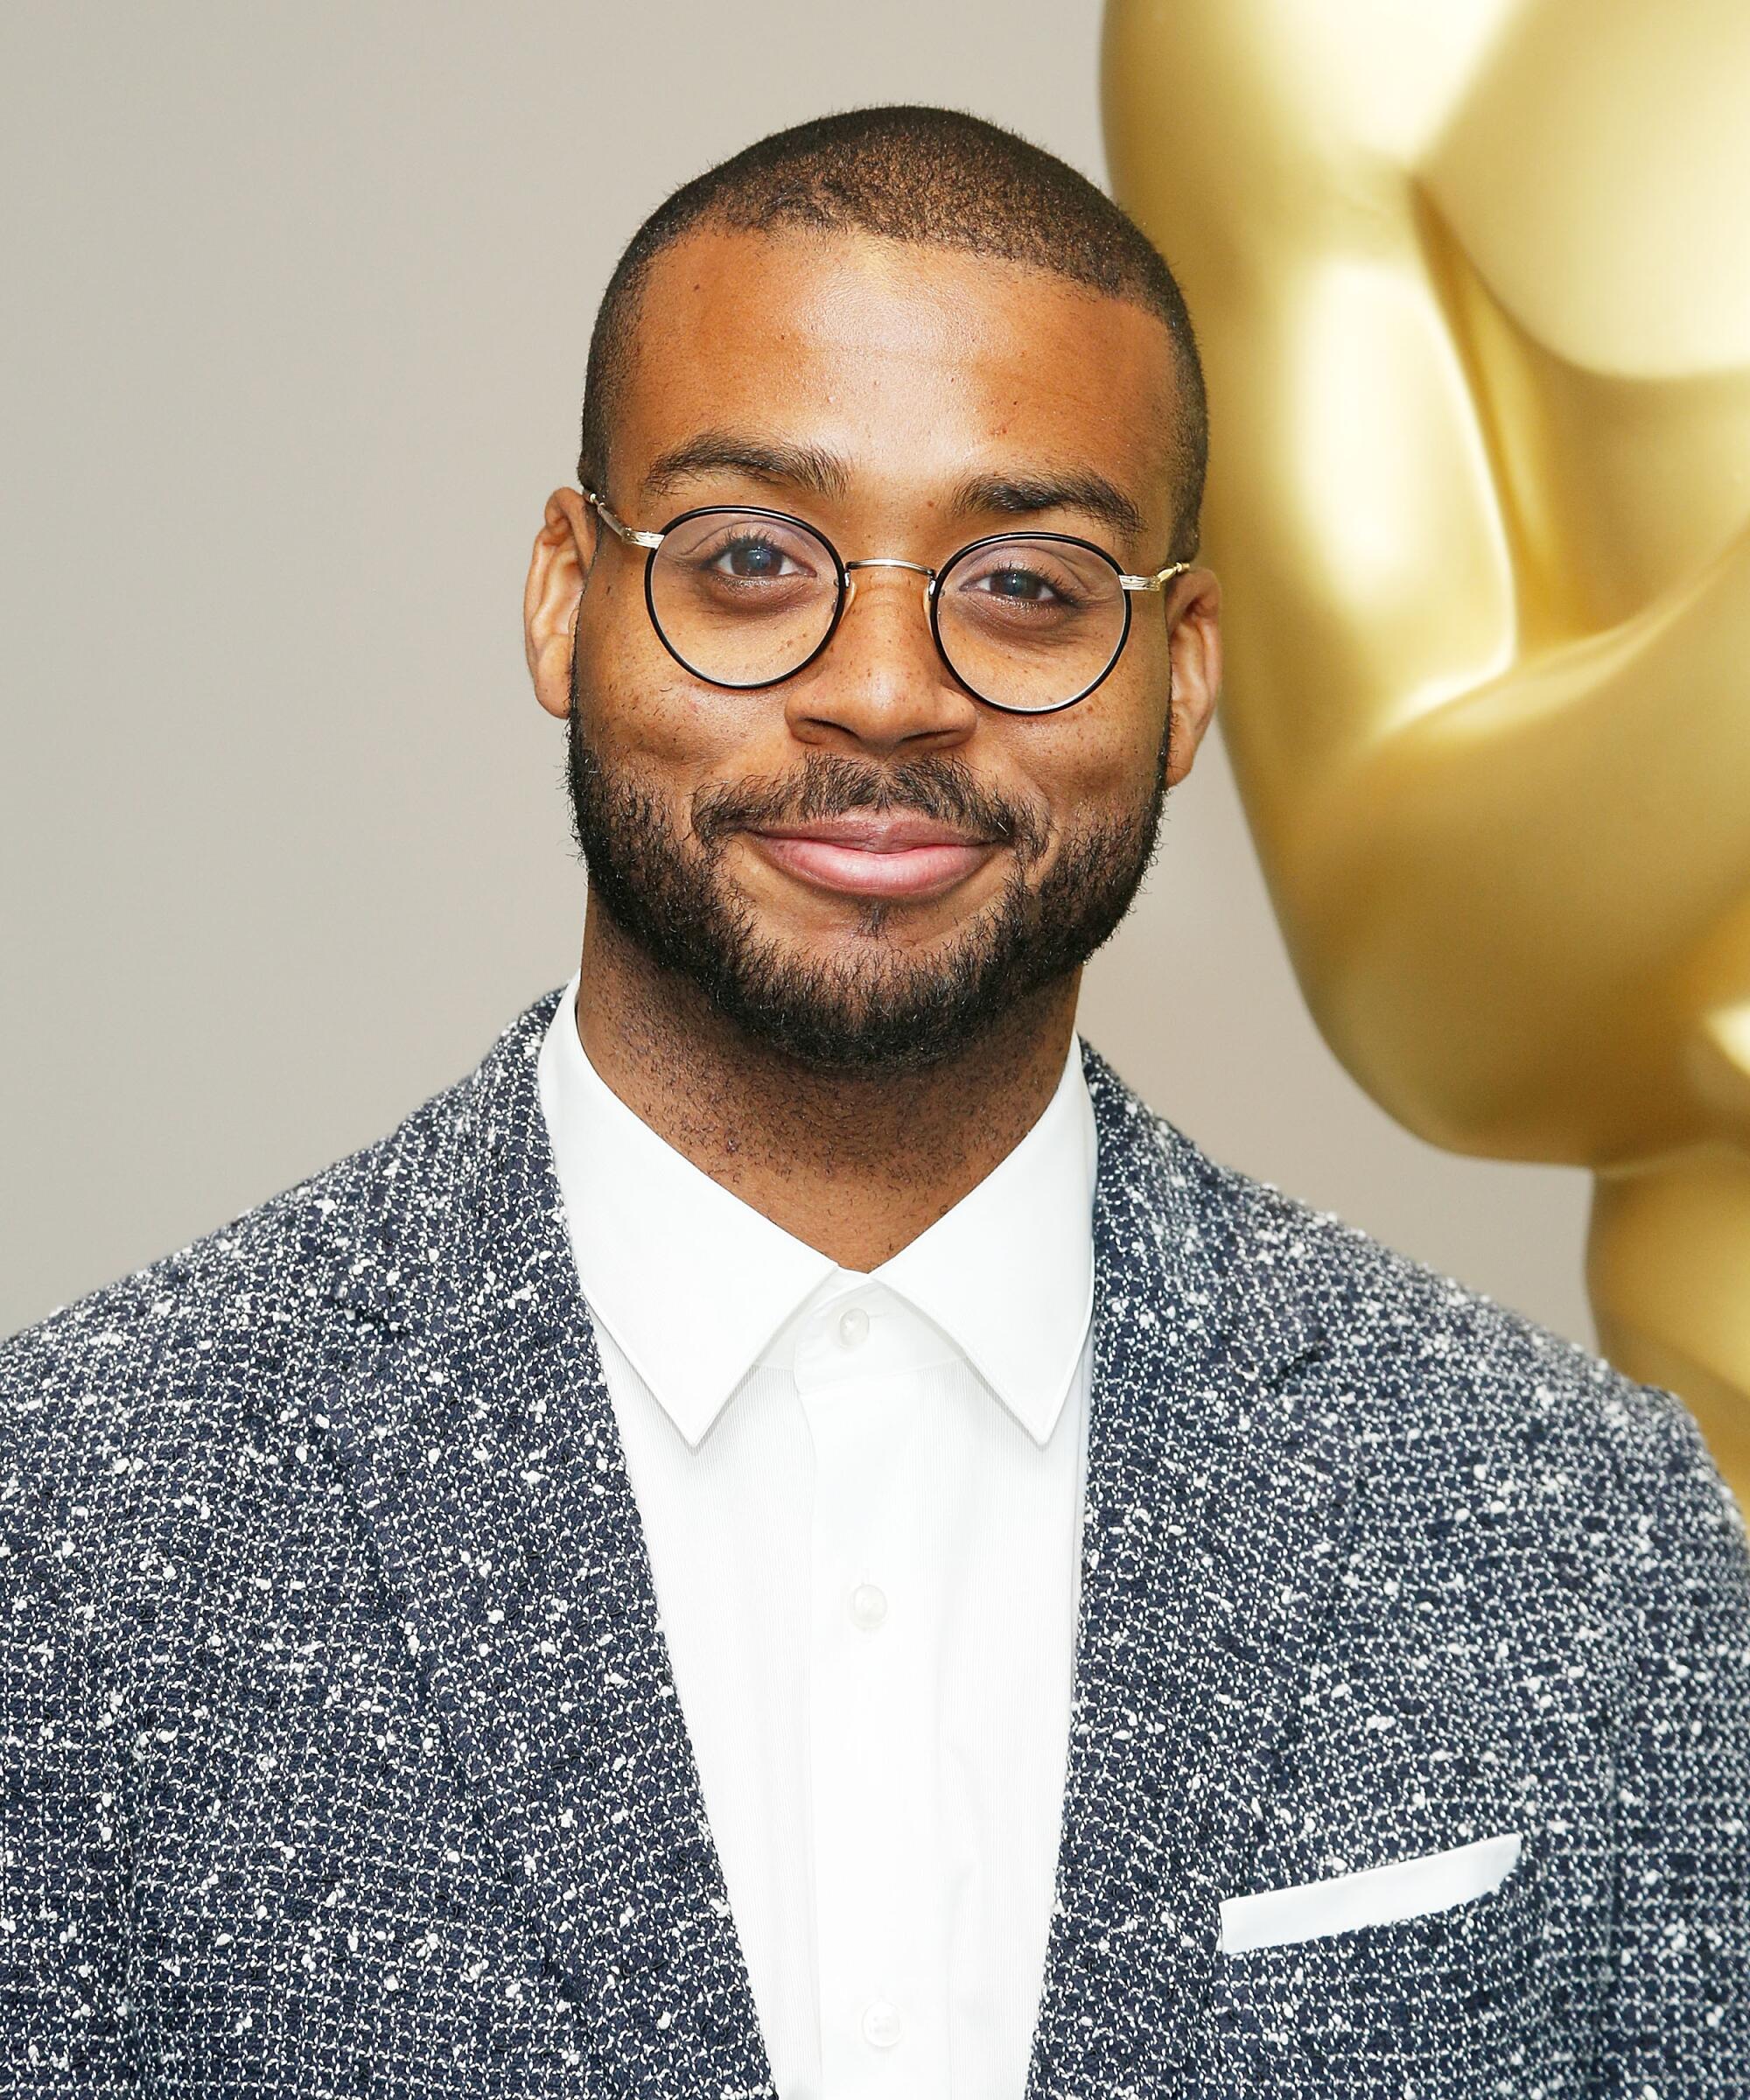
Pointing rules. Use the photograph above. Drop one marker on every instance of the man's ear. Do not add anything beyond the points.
(558, 569)
(1195, 649)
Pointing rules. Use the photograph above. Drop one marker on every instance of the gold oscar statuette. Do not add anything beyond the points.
(1472, 287)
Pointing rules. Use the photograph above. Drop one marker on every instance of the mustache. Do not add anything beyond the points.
(834, 783)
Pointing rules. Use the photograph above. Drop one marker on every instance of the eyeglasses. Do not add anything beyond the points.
(745, 597)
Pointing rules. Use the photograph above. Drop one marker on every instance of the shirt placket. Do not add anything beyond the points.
(872, 1713)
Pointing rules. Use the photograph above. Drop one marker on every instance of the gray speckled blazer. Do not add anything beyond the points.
(342, 1755)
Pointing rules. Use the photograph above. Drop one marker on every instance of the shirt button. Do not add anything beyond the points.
(880, 2024)
(868, 1606)
(853, 1326)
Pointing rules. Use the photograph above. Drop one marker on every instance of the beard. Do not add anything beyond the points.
(666, 892)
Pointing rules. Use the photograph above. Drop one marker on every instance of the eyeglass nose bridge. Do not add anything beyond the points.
(887, 561)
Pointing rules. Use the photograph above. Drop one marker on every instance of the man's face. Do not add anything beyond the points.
(903, 400)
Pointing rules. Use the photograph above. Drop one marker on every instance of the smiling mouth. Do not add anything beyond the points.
(899, 856)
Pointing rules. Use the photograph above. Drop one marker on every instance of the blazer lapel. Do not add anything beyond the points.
(476, 1434)
(1218, 1489)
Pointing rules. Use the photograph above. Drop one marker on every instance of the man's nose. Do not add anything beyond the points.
(881, 680)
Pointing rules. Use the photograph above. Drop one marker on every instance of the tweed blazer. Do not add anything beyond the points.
(342, 1755)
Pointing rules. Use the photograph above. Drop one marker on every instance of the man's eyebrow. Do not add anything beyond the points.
(1075, 488)
(810, 468)
(817, 472)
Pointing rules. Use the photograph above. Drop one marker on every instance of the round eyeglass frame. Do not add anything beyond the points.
(652, 542)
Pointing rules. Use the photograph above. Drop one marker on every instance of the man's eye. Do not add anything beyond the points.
(1014, 584)
(753, 560)
(1017, 583)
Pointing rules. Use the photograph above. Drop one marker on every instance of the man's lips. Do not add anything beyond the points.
(896, 855)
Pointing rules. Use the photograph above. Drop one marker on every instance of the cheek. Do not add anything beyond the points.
(642, 710)
(1146, 720)
(1105, 763)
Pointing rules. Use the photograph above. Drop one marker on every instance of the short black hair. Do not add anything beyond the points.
(912, 173)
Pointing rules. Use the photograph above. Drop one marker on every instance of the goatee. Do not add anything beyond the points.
(666, 891)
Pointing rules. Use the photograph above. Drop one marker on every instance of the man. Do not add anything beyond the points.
(787, 1534)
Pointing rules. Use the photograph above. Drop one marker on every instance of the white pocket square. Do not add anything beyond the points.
(1381, 1895)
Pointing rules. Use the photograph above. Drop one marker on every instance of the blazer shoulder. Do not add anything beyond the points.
(1447, 1362)
(237, 1320)
(163, 1437)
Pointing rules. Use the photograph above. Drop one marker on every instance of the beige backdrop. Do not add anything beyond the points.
(298, 301)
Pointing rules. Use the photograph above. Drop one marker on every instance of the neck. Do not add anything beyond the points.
(855, 1164)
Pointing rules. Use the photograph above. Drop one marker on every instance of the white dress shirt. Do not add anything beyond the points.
(861, 1499)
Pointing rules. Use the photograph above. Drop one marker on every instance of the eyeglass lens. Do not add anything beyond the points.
(743, 599)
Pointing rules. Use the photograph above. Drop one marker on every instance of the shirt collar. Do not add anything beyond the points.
(693, 1284)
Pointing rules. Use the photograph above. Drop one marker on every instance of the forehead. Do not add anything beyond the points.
(916, 365)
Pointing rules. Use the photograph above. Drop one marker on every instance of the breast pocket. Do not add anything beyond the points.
(1422, 2004)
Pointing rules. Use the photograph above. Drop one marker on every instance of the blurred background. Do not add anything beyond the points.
(297, 305)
